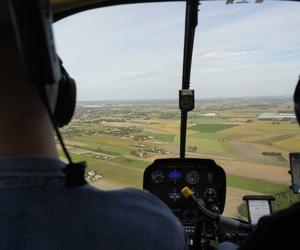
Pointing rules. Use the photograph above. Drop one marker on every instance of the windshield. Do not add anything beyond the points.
(127, 62)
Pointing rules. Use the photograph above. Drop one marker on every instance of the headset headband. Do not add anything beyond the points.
(32, 22)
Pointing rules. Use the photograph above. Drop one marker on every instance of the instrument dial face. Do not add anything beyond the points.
(192, 177)
(210, 195)
(157, 176)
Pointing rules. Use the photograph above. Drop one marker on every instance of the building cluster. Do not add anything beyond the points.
(277, 116)
(93, 176)
(95, 155)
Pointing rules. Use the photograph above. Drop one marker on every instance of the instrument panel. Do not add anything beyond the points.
(166, 177)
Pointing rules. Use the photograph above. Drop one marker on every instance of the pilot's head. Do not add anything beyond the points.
(25, 126)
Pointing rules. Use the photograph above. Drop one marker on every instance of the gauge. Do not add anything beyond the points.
(157, 176)
(174, 195)
(192, 177)
(210, 194)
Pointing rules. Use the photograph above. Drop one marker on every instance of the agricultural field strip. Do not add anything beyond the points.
(225, 144)
(256, 171)
(250, 133)
(83, 151)
(258, 153)
(220, 145)
(240, 182)
(248, 171)
(233, 172)
(276, 138)
(291, 144)
(104, 144)
(255, 185)
(123, 124)
(119, 174)
(118, 165)
(243, 169)
(166, 132)
(211, 127)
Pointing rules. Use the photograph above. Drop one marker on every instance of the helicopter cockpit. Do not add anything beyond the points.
(193, 187)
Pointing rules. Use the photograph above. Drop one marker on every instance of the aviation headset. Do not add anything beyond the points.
(32, 23)
(66, 99)
(297, 101)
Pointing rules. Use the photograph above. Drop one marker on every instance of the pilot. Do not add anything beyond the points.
(37, 209)
(278, 231)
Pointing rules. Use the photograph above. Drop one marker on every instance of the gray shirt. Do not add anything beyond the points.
(37, 211)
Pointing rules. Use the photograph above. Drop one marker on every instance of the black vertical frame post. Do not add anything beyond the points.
(191, 21)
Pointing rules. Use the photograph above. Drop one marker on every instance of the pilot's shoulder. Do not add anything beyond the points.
(129, 197)
(132, 214)
(138, 202)
(144, 197)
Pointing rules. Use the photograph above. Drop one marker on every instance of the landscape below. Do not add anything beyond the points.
(120, 139)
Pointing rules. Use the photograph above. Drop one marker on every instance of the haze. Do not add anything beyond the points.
(135, 51)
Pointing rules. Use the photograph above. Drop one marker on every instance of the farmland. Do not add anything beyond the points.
(120, 139)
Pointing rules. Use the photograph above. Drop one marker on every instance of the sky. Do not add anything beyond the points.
(136, 51)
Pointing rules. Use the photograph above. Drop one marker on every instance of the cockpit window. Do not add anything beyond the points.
(127, 62)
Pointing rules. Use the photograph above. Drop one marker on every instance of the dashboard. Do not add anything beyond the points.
(166, 177)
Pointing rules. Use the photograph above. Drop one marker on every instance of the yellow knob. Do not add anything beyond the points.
(186, 192)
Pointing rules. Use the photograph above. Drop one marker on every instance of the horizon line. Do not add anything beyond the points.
(176, 99)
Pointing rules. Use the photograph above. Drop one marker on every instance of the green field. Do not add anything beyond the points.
(277, 138)
(131, 162)
(211, 127)
(162, 137)
(105, 144)
(124, 176)
(254, 185)
(122, 170)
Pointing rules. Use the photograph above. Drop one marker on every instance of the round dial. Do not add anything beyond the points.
(192, 177)
(157, 176)
(210, 195)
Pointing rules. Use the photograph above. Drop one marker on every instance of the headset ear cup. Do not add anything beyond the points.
(297, 101)
(66, 101)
